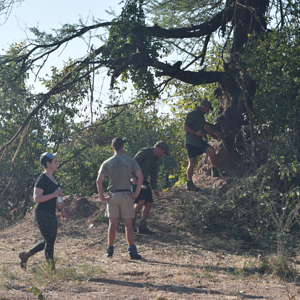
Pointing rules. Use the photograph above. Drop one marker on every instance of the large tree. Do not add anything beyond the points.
(140, 43)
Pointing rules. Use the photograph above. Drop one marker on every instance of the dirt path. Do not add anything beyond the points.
(175, 264)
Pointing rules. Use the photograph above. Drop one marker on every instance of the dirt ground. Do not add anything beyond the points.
(175, 264)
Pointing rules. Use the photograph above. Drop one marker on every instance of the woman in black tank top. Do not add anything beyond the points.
(46, 190)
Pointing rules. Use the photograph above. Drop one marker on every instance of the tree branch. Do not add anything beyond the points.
(194, 31)
(139, 60)
(61, 85)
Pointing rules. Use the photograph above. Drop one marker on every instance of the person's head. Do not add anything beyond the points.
(160, 148)
(205, 106)
(117, 144)
(49, 161)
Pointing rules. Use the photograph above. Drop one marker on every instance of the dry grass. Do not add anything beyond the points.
(176, 264)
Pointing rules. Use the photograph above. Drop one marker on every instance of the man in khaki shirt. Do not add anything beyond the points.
(119, 169)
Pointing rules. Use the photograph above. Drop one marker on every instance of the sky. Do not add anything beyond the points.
(52, 14)
(47, 15)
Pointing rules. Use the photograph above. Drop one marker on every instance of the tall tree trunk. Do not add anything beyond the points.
(249, 17)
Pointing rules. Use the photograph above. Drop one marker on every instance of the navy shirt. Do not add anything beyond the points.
(48, 186)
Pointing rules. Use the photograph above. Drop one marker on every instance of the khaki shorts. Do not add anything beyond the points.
(120, 202)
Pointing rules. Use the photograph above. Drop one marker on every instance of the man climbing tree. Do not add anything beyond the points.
(196, 128)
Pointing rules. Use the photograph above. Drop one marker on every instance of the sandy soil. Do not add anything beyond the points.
(175, 264)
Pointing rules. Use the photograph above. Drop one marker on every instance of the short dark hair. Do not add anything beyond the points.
(46, 157)
(117, 143)
(44, 163)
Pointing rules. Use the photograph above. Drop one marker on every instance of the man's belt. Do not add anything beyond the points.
(116, 191)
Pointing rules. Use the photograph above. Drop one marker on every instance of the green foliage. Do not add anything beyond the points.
(278, 265)
(261, 209)
(138, 128)
(273, 63)
(181, 13)
(128, 35)
(15, 105)
(36, 292)
(45, 132)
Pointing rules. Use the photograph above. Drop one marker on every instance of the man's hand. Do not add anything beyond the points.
(218, 134)
(200, 133)
(135, 195)
(63, 215)
(133, 180)
(156, 192)
(105, 198)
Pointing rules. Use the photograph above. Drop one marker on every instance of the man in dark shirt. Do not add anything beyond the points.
(196, 128)
(147, 158)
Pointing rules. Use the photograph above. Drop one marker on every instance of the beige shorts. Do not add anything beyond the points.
(120, 202)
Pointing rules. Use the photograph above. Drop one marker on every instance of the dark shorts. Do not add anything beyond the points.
(194, 151)
(144, 194)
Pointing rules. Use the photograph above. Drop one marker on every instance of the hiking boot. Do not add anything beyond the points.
(133, 252)
(145, 230)
(191, 187)
(214, 172)
(110, 251)
(135, 256)
(24, 258)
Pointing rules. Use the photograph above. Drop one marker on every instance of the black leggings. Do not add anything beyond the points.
(47, 224)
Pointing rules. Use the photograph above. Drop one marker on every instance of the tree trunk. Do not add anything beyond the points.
(232, 116)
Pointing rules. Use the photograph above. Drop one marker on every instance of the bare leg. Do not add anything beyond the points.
(128, 231)
(138, 206)
(112, 231)
(190, 168)
(146, 210)
(212, 153)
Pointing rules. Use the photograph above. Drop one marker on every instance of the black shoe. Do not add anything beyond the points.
(24, 256)
(135, 256)
(110, 251)
(145, 230)
(132, 251)
(191, 187)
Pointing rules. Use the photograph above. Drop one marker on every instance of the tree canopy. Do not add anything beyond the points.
(229, 51)
(141, 39)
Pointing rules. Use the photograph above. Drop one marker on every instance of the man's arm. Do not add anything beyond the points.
(212, 132)
(99, 181)
(153, 181)
(188, 129)
(140, 179)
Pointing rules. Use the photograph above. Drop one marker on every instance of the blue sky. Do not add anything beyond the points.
(52, 14)
(47, 15)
